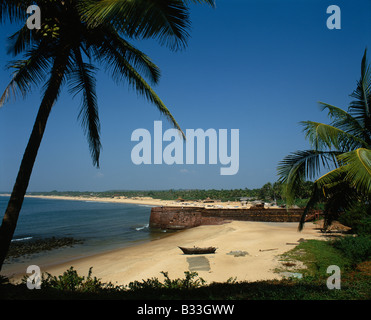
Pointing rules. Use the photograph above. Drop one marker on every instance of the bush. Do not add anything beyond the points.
(358, 218)
(189, 282)
(71, 281)
(358, 249)
(364, 226)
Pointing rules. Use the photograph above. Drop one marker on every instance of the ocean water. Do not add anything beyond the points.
(102, 226)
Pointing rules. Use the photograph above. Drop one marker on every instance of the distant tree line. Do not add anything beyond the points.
(269, 192)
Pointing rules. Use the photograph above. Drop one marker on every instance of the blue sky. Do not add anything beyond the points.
(257, 66)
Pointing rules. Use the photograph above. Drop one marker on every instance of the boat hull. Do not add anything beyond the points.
(196, 250)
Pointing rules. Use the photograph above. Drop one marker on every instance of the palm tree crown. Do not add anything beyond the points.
(342, 147)
(67, 39)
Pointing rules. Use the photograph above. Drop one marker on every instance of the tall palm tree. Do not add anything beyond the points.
(343, 148)
(73, 34)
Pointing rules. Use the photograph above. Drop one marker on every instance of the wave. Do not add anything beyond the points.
(22, 239)
(146, 226)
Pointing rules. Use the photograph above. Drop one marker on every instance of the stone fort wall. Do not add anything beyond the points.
(178, 218)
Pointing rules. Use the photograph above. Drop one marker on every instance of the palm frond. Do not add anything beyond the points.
(330, 179)
(358, 169)
(142, 87)
(209, 2)
(355, 169)
(19, 41)
(322, 136)
(300, 166)
(336, 194)
(340, 196)
(27, 73)
(164, 20)
(106, 39)
(140, 61)
(343, 120)
(82, 79)
(121, 70)
(360, 108)
(14, 10)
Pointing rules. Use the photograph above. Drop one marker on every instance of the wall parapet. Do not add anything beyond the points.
(178, 218)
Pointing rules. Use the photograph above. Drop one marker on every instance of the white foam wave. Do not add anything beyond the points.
(22, 239)
(141, 228)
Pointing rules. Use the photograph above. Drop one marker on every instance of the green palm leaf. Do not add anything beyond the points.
(82, 79)
(122, 70)
(144, 89)
(322, 136)
(20, 41)
(343, 120)
(166, 20)
(360, 108)
(14, 10)
(300, 166)
(27, 73)
(358, 169)
(112, 42)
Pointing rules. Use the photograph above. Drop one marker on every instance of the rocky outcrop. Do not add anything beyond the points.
(178, 218)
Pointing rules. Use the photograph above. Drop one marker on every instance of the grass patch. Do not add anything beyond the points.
(316, 256)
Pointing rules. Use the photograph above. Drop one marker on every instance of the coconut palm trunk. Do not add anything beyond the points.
(24, 174)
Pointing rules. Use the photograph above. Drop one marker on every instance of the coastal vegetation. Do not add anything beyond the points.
(269, 192)
(315, 255)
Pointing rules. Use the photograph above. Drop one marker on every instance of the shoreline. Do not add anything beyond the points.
(262, 241)
(148, 201)
(44, 260)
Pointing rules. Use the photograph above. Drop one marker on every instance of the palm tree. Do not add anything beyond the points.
(343, 148)
(62, 52)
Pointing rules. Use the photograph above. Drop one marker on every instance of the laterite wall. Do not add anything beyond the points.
(189, 217)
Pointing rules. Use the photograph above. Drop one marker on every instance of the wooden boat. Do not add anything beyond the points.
(196, 250)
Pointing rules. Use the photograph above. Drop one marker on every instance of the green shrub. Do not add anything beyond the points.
(357, 249)
(358, 218)
(71, 281)
(364, 226)
(189, 282)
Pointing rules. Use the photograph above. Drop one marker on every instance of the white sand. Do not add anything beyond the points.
(148, 260)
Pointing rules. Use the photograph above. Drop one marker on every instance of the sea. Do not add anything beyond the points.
(101, 226)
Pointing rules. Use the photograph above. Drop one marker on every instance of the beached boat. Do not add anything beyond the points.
(196, 250)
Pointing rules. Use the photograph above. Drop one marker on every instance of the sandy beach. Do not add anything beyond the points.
(149, 201)
(262, 242)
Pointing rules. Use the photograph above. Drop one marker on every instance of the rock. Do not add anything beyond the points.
(292, 275)
(23, 248)
(238, 253)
